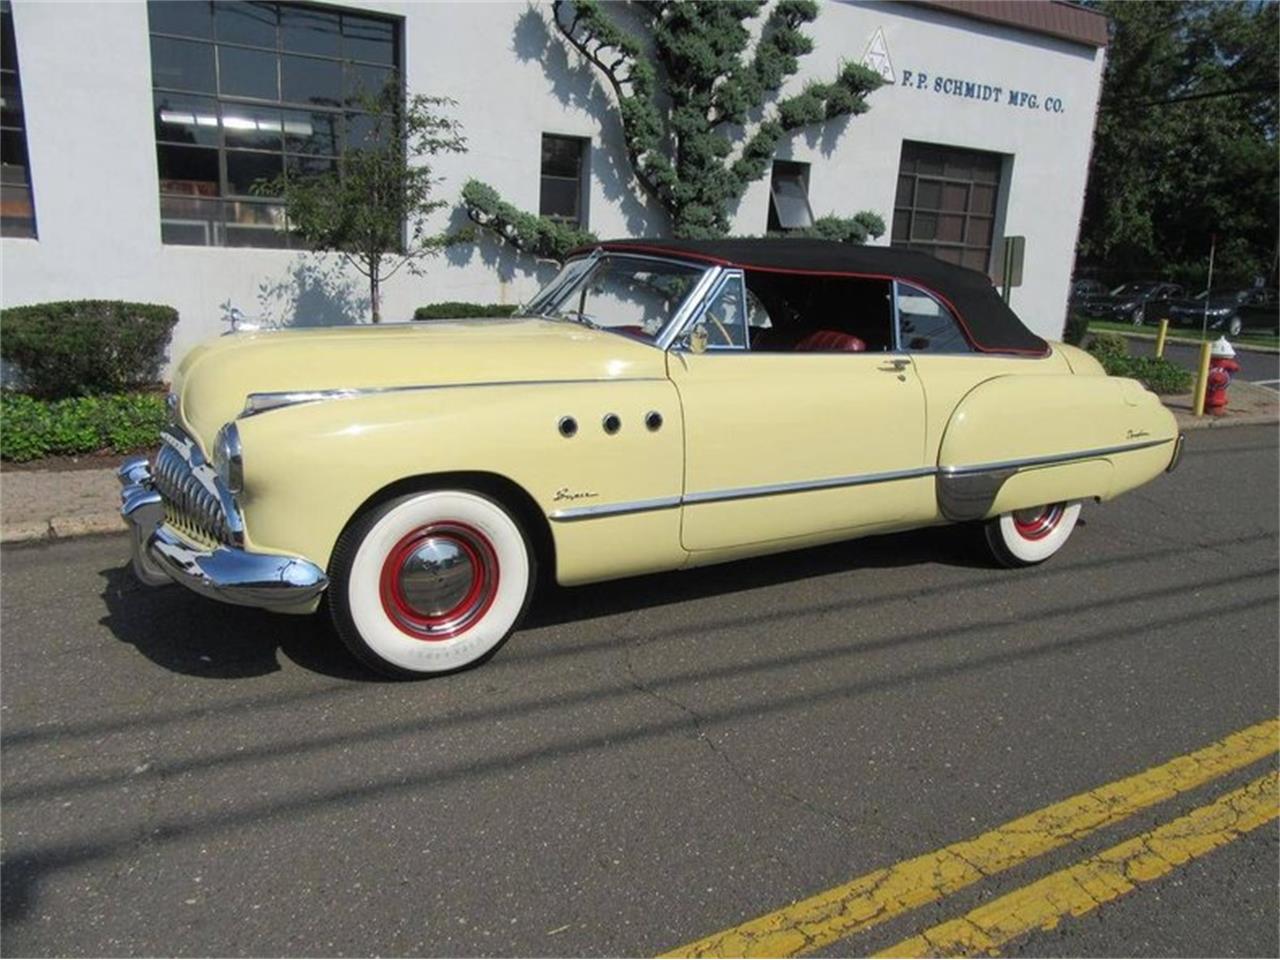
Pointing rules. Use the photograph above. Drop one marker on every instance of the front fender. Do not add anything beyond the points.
(309, 467)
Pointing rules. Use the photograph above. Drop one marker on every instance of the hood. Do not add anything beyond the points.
(214, 379)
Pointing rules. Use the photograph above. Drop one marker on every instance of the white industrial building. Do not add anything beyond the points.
(131, 131)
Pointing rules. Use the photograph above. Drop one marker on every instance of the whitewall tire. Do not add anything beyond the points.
(430, 582)
(1022, 538)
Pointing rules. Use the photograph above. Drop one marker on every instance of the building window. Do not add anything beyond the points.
(17, 212)
(247, 92)
(946, 203)
(562, 189)
(789, 197)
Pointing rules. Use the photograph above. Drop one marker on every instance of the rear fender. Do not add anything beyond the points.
(1021, 441)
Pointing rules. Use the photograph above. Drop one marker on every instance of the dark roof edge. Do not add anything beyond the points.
(1054, 18)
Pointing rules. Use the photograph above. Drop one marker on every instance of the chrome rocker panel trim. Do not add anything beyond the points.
(278, 582)
(964, 493)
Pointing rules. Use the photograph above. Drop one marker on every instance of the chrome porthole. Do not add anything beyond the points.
(612, 423)
(568, 427)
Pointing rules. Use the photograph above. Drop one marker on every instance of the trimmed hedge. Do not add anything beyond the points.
(31, 428)
(1076, 329)
(454, 310)
(1159, 375)
(85, 347)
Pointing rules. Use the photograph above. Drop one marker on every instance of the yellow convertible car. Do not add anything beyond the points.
(659, 405)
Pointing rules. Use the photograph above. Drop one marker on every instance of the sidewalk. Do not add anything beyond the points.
(51, 504)
(45, 504)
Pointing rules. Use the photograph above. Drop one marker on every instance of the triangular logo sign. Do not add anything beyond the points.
(877, 57)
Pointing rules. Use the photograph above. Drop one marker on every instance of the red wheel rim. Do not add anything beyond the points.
(1038, 522)
(439, 581)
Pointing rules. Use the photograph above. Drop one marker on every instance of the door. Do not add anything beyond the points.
(795, 446)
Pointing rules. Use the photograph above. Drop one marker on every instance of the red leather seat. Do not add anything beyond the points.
(830, 341)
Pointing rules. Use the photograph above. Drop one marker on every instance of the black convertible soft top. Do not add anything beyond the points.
(987, 320)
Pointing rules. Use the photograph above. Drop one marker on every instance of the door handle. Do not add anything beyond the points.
(896, 365)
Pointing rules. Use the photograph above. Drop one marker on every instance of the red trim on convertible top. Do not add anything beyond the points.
(687, 255)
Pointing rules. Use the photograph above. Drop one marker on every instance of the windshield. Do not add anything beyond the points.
(634, 296)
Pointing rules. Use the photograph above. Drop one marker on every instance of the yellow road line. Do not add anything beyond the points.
(871, 899)
(1089, 884)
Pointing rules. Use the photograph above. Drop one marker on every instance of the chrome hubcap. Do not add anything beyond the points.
(1037, 522)
(439, 580)
(437, 576)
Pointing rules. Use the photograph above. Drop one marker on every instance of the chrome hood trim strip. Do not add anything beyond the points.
(256, 403)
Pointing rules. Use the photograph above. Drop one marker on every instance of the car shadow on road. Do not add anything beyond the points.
(192, 635)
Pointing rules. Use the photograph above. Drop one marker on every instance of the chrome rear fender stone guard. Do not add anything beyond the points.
(278, 582)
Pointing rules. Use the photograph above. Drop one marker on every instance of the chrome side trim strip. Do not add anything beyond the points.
(740, 493)
(803, 486)
(958, 500)
(1051, 458)
(614, 509)
(256, 403)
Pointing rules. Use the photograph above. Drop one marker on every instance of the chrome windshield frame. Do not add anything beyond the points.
(667, 334)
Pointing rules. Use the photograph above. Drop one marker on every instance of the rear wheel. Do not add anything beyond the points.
(1234, 326)
(430, 582)
(1023, 538)
(1139, 315)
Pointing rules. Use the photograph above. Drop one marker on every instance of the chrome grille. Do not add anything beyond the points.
(193, 500)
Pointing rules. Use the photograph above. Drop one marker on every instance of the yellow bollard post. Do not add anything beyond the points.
(1164, 331)
(1202, 380)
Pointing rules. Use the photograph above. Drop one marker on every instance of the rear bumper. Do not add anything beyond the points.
(279, 582)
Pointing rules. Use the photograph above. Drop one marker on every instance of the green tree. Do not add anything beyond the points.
(374, 210)
(1186, 141)
(697, 102)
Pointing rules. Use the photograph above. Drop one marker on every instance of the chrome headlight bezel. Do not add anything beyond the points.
(228, 457)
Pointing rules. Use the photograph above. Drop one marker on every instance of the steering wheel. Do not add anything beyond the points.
(721, 329)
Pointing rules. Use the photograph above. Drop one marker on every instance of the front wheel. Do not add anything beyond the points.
(430, 582)
(1023, 538)
(1139, 316)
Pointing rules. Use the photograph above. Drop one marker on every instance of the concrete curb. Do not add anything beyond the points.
(1189, 342)
(60, 528)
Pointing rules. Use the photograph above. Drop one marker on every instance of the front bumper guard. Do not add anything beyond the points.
(279, 582)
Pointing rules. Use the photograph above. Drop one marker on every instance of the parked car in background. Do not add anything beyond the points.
(660, 405)
(1220, 309)
(1136, 302)
(1261, 312)
(1084, 293)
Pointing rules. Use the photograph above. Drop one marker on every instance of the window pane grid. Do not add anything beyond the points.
(561, 178)
(945, 203)
(251, 92)
(17, 209)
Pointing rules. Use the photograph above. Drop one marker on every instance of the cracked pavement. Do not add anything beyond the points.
(649, 761)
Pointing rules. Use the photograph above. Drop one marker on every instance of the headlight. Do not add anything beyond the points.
(228, 459)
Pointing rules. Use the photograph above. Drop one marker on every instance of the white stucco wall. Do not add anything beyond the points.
(86, 78)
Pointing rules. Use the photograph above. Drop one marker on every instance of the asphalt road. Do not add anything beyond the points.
(650, 761)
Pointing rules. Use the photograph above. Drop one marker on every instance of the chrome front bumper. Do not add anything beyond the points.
(279, 582)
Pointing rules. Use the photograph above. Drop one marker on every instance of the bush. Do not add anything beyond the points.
(453, 310)
(86, 347)
(1076, 330)
(120, 423)
(1108, 345)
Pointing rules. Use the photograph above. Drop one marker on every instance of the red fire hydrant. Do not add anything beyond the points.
(1222, 365)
